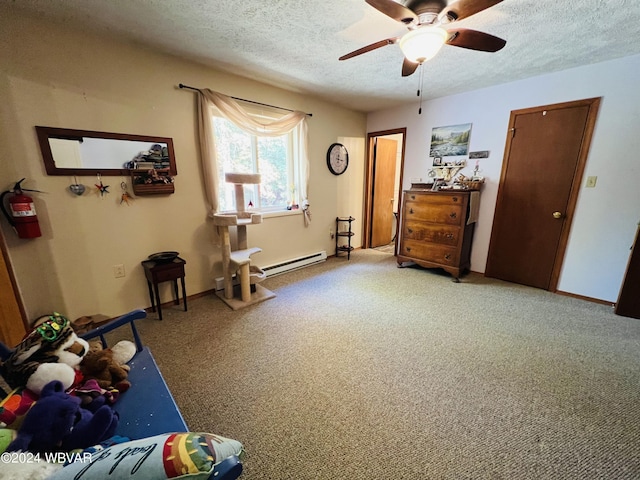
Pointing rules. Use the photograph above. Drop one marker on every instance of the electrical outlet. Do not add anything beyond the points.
(591, 182)
(331, 233)
(118, 271)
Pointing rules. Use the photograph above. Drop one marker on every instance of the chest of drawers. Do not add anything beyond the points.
(434, 231)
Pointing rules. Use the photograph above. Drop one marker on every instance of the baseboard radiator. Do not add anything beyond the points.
(295, 263)
(286, 266)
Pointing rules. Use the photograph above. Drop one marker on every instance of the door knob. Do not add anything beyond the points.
(557, 215)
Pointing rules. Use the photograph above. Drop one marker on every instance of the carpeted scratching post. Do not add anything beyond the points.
(238, 262)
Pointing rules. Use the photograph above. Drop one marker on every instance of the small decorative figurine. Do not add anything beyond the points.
(476, 170)
(102, 189)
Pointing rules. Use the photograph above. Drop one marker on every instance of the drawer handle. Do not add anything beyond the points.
(453, 214)
(408, 249)
(410, 230)
(413, 197)
(449, 235)
(411, 210)
(455, 199)
(447, 256)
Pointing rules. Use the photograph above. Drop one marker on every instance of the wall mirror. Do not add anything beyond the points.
(85, 152)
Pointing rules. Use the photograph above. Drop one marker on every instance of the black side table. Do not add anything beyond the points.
(158, 272)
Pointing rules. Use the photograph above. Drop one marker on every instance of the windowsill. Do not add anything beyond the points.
(282, 213)
(269, 214)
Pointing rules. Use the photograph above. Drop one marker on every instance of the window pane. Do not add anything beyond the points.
(233, 149)
(272, 164)
(241, 152)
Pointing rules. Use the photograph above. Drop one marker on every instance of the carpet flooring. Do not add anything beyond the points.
(359, 370)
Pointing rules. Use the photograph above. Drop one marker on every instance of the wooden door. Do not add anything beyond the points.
(541, 174)
(628, 304)
(12, 319)
(384, 174)
(400, 135)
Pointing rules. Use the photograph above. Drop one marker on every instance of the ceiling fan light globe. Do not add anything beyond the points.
(422, 44)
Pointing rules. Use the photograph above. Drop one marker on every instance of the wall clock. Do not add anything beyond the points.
(337, 158)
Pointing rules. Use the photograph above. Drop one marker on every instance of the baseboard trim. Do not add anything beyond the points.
(171, 303)
(572, 295)
(559, 292)
(588, 299)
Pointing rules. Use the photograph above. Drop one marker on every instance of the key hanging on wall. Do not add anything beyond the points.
(126, 196)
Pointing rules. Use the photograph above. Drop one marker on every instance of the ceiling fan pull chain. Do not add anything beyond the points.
(420, 89)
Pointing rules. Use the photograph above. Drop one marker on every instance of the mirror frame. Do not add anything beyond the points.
(45, 133)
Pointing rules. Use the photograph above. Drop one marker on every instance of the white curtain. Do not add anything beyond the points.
(232, 111)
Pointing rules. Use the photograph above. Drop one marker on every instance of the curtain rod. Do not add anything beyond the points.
(182, 85)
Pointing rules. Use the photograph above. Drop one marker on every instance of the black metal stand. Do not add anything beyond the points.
(344, 233)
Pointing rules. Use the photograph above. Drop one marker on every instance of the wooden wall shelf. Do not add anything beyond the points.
(153, 188)
(140, 188)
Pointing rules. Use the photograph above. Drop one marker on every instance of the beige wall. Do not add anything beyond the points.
(55, 77)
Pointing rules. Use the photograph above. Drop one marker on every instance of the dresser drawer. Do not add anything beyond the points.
(431, 252)
(448, 214)
(443, 234)
(439, 198)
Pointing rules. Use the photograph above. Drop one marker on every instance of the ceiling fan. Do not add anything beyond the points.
(426, 21)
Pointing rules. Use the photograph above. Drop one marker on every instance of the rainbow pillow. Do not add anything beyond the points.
(166, 456)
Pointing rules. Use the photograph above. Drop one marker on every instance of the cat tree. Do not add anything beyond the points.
(238, 262)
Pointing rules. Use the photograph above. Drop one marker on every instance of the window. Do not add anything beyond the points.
(272, 157)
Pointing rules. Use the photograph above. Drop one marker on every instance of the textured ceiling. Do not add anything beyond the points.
(295, 44)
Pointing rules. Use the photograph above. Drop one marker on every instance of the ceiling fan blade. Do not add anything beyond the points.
(394, 10)
(465, 8)
(408, 67)
(368, 48)
(474, 40)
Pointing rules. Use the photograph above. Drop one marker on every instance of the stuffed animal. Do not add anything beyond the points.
(50, 352)
(56, 422)
(101, 366)
(123, 352)
(98, 387)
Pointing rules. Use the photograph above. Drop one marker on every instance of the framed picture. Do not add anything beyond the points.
(450, 141)
(479, 154)
(437, 161)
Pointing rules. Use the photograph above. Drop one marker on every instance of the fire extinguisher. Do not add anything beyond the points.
(23, 213)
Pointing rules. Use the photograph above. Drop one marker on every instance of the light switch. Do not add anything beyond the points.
(591, 182)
